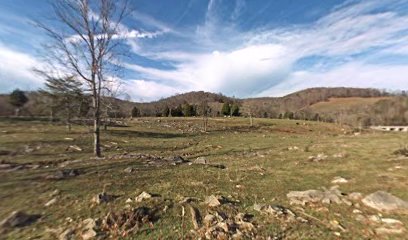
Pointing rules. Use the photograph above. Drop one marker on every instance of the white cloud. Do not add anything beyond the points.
(354, 74)
(252, 63)
(218, 56)
(227, 72)
(150, 21)
(16, 71)
(145, 91)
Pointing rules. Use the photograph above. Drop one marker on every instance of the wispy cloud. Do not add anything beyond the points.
(345, 47)
(16, 70)
(254, 63)
(352, 74)
(152, 22)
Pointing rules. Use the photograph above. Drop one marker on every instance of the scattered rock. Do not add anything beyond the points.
(221, 226)
(128, 170)
(339, 155)
(279, 212)
(355, 196)
(201, 160)
(28, 149)
(68, 234)
(176, 160)
(385, 226)
(63, 174)
(18, 219)
(336, 225)
(338, 180)
(73, 148)
(384, 201)
(129, 200)
(103, 198)
(357, 211)
(294, 148)
(88, 229)
(387, 230)
(189, 200)
(160, 161)
(318, 158)
(143, 196)
(209, 219)
(303, 197)
(56, 192)
(360, 218)
(212, 201)
(51, 202)
(315, 196)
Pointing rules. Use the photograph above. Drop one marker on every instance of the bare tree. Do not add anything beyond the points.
(204, 110)
(85, 38)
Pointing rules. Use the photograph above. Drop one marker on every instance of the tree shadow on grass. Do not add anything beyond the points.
(145, 134)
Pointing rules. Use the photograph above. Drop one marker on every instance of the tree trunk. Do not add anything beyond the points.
(97, 123)
(17, 112)
(69, 121)
(205, 121)
(52, 115)
(97, 143)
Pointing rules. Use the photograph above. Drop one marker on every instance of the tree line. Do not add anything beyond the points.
(190, 110)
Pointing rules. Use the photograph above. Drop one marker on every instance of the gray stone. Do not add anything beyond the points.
(339, 180)
(303, 197)
(209, 219)
(386, 230)
(384, 201)
(360, 218)
(143, 196)
(128, 170)
(333, 195)
(88, 229)
(201, 160)
(212, 201)
(51, 202)
(355, 196)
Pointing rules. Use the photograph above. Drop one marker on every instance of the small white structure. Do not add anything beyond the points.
(391, 128)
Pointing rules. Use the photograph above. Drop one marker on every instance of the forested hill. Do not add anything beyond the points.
(260, 107)
(297, 105)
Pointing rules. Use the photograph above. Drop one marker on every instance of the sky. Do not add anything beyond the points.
(241, 48)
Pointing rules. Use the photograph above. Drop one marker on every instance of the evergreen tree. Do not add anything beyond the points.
(288, 115)
(226, 109)
(177, 111)
(18, 99)
(66, 96)
(235, 110)
(188, 110)
(166, 111)
(135, 112)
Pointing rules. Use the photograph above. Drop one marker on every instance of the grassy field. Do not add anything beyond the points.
(262, 164)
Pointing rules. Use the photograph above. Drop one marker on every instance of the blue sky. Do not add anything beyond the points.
(242, 48)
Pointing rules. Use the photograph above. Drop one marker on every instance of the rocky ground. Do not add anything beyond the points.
(167, 179)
